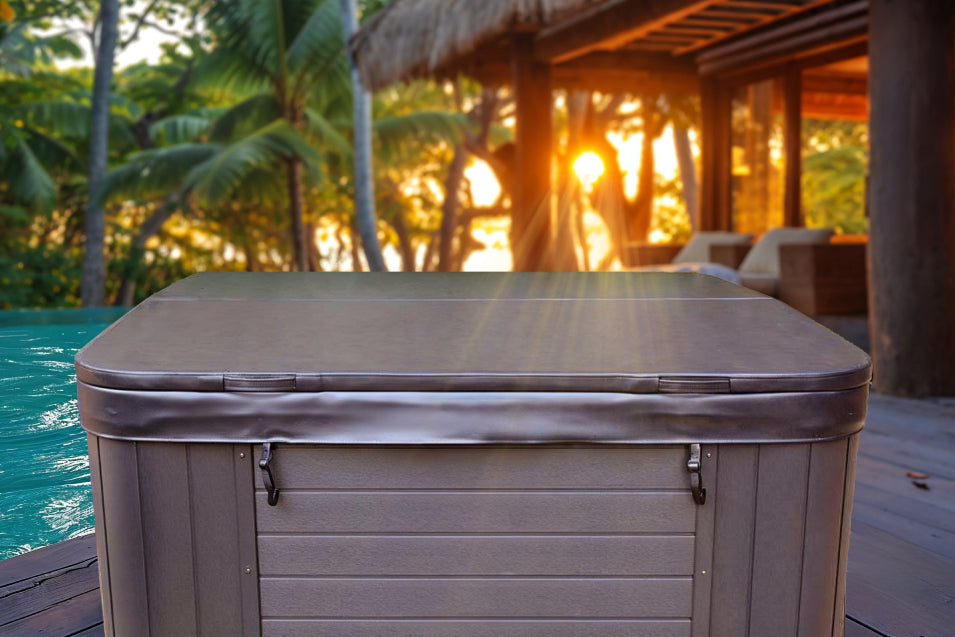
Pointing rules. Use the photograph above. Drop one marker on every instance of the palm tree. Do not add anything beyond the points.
(280, 51)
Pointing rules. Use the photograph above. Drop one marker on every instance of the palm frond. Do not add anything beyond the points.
(248, 115)
(323, 133)
(69, 119)
(154, 172)
(318, 42)
(392, 133)
(179, 129)
(27, 179)
(50, 152)
(218, 176)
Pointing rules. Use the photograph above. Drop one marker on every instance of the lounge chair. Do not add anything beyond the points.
(695, 255)
(760, 269)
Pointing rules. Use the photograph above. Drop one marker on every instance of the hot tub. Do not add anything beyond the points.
(429, 455)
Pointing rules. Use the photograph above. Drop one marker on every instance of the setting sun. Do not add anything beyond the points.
(588, 168)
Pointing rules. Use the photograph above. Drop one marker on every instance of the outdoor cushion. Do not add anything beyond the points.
(697, 250)
(764, 257)
(712, 269)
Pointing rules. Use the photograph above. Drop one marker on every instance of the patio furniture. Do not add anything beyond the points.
(825, 278)
(760, 269)
(637, 255)
(702, 244)
(699, 249)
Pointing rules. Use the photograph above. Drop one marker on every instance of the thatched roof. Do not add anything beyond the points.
(418, 38)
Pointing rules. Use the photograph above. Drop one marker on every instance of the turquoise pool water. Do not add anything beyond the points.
(45, 492)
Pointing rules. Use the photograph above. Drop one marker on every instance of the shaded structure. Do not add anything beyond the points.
(771, 63)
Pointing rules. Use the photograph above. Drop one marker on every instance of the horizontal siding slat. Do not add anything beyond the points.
(489, 597)
(345, 513)
(317, 467)
(475, 555)
(475, 628)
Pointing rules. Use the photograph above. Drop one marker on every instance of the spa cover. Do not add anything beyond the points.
(469, 358)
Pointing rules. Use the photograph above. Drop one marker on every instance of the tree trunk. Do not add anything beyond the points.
(148, 228)
(355, 250)
(449, 209)
(405, 247)
(531, 189)
(93, 283)
(299, 240)
(912, 196)
(684, 159)
(642, 213)
(364, 179)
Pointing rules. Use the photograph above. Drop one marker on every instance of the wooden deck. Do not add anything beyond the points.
(901, 579)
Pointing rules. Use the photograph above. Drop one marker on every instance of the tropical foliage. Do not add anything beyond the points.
(835, 171)
(234, 151)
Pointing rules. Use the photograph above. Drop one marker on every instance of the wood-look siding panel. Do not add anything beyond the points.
(778, 542)
(219, 566)
(498, 512)
(475, 555)
(124, 536)
(244, 462)
(92, 443)
(827, 472)
(703, 551)
(839, 612)
(733, 540)
(442, 598)
(317, 467)
(475, 628)
(164, 488)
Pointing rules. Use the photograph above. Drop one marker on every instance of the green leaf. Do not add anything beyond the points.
(392, 133)
(246, 116)
(179, 129)
(69, 119)
(323, 133)
(154, 172)
(28, 181)
(217, 177)
(319, 42)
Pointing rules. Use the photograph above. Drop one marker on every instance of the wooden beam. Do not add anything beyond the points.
(715, 177)
(609, 26)
(764, 18)
(792, 147)
(630, 61)
(820, 28)
(531, 204)
(781, 5)
(912, 196)
(820, 81)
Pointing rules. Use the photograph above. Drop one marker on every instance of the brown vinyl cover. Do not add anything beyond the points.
(452, 358)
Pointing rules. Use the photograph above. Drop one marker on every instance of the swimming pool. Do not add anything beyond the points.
(45, 494)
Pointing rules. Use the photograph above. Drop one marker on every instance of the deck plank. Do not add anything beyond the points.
(53, 590)
(68, 617)
(854, 629)
(47, 559)
(896, 587)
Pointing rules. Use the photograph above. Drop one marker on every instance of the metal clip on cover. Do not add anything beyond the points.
(695, 465)
(267, 479)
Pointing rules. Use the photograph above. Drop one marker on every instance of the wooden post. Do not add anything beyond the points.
(531, 205)
(715, 177)
(792, 145)
(912, 195)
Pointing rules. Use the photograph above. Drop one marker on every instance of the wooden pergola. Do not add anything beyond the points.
(713, 47)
